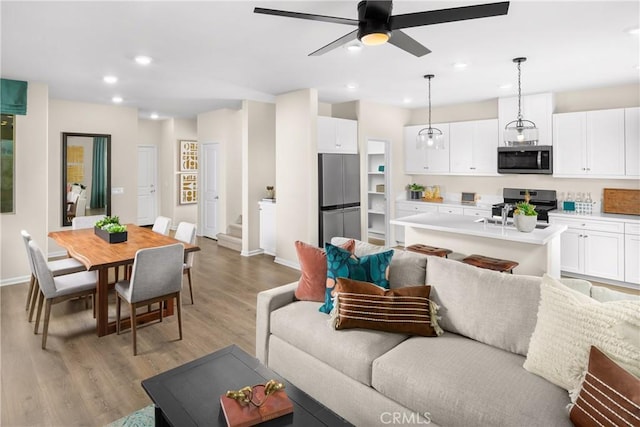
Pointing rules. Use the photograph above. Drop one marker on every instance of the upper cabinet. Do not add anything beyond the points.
(536, 108)
(425, 161)
(632, 141)
(337, 135)
(589, 144)
(473, 147)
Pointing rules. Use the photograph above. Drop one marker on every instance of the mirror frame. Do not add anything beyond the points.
(63, 193)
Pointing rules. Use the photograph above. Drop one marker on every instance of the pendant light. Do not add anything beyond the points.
(520, 131)
(430, 137)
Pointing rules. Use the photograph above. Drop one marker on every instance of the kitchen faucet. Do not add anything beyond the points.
(505, 213)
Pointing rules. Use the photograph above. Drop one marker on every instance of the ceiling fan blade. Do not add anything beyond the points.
(353, 35)
(448, 15)
(406, 43)
(311, 17)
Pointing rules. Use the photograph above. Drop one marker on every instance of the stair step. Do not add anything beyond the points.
(235, 230)
(230, 242)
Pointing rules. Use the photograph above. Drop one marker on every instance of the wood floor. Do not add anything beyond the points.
(83, 380)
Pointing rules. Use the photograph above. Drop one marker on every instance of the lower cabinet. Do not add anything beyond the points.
(405, 209)
(268, 227)
(632, 253)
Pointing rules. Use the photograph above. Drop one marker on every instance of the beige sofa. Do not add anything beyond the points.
(471, 375)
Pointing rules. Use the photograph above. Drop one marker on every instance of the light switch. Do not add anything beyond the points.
(117, 190)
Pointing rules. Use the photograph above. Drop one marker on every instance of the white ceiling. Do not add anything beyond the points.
(213, 54)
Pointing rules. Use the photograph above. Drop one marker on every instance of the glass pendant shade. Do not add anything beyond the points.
(520, 131)
(431, 138)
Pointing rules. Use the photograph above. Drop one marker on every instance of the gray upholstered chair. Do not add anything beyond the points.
(80, 222)
(186, 232)
(156, 277)
(58, 289)
(57, 268)
(162, 225)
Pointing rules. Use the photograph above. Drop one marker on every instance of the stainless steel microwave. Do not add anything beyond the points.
(526, 159)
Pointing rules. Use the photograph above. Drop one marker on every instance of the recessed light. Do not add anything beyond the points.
(117, 99)
(460, 65)
(143, 60)
(354, 47)
(406, 100)
(154, 116)
(352, 86)
(634, 31)
(110, 79)
(506, 86)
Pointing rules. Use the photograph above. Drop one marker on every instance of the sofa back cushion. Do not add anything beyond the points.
(495, 308)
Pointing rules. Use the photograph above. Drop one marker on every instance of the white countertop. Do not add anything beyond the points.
(600, 216)
(457, 203)
(468, 225)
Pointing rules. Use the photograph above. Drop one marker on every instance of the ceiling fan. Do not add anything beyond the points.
(376, 25)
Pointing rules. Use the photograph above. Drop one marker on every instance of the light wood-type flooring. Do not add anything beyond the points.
(83, 380)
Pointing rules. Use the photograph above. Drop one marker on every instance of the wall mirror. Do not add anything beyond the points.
(86, 175)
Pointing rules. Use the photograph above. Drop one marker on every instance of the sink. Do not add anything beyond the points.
(496, 221)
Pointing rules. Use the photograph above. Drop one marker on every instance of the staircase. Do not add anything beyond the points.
(232, 239)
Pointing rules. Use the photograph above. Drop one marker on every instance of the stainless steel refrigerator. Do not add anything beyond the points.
(339, 181)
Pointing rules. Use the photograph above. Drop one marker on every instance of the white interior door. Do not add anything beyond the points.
(209, 174)
(147, 184)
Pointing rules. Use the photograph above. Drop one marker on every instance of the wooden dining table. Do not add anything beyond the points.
(98, 255)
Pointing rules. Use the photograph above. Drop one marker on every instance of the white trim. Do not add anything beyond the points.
(14, 280)
(252, 253)
(287, 263)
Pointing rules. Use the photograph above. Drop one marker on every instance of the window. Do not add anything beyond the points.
(7, 163)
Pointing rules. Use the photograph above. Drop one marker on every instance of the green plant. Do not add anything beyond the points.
(415, 187)
(115, 228)
(110, 224)
(525, 208)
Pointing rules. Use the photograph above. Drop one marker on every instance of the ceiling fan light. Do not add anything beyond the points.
(375, 39)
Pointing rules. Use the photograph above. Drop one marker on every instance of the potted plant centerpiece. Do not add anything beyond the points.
(110, 230)
(525, 217)
(415, 191)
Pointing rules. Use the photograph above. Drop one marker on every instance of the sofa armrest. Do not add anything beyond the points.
(269, 301)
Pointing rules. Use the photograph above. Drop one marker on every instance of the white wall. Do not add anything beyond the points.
(31, 151)
(183, 129)
(122, 124)
(296, 172)
(224, 127)
(258, 167)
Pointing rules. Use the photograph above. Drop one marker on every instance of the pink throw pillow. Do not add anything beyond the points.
(313, 268)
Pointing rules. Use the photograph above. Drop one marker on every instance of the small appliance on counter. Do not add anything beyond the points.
(544, 201)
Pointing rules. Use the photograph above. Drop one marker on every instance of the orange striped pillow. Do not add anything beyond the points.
(405, 310)
(609, 396)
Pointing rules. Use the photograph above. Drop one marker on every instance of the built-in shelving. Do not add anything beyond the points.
(377, 191)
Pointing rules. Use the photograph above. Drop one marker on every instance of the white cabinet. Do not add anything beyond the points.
(378, 187)
(483, 213)
(589, 144)
(536, 108)
(337, 135)
(268, 227)
(410, 208)
(632, 253)
(473, 147)
(450, 210)
(593, 248)
(425, 161)
(632, 141)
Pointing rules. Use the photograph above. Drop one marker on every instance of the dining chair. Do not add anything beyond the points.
(57, 268)
(59, 288)
(186, 232)
(156, 277)
(80, 222)
(162, 225)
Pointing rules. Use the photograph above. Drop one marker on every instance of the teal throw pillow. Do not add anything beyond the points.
(372, 268)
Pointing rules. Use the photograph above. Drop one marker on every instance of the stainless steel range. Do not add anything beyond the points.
(544, 201)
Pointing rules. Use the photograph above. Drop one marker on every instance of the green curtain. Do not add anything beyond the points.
(13, 97)
(99, 176)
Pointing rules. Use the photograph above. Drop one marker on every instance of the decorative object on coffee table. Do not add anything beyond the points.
(256, 404)
(525, 217)
(110, 230)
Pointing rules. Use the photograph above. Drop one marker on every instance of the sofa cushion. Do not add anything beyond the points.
(602, 294)
(569, 323)
(313, 270)
(350, 351)
(365, 305)
(372, 268)
(461, 382)
(495, 308)
(407, 269)
(608, 393)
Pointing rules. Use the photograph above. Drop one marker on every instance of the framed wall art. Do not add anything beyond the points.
(188, 156)
(188, 188)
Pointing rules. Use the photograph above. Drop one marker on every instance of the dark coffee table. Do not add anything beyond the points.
(189, 395)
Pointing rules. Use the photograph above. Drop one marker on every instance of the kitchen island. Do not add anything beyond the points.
(537, 252)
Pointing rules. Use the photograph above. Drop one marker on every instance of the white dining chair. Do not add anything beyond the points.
(162, 225)
(156, 277)
(58, 289)
(80, 222)
(57, 268)
(186, 232)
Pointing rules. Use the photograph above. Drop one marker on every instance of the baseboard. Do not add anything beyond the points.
(14, 280)
(252, 253)
(287, 263)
